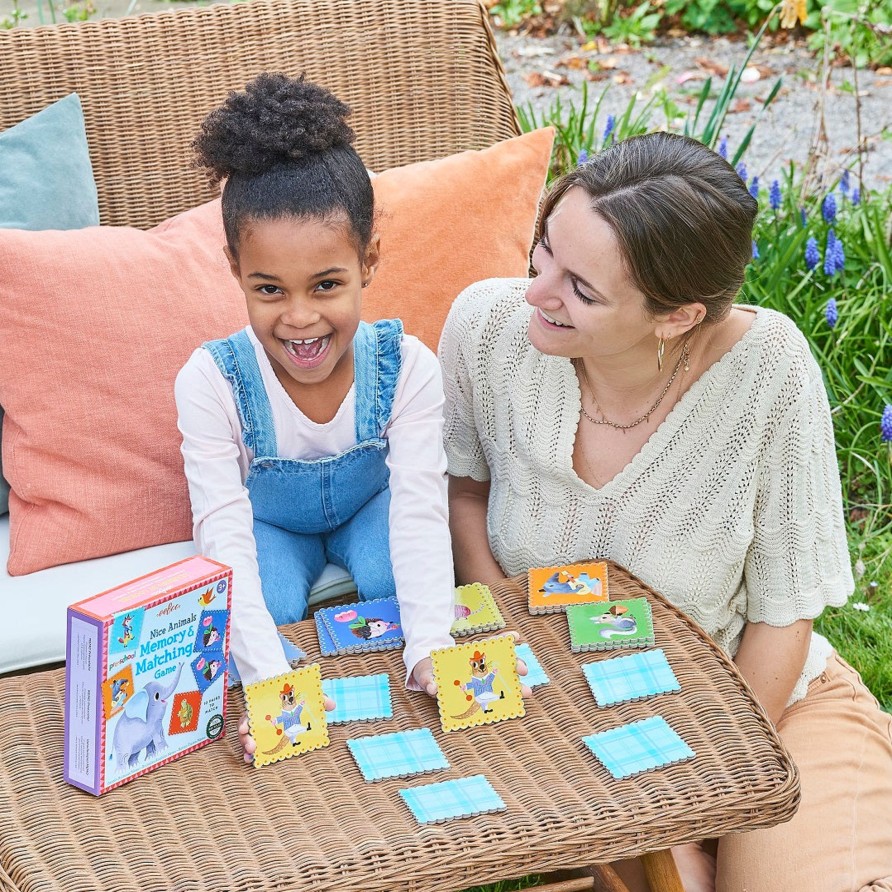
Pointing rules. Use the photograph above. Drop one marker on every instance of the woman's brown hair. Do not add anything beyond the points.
(681, 214)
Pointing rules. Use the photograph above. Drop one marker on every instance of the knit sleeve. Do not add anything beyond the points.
(798, 562)
(457, 353)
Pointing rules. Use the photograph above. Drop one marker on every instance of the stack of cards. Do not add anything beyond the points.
(611, 625)
(475, 610)
(477, 683)
(400, 754)
(286, 715)
(359, 698)
(552, 589)
(639, 746)
(359, 628)
(465, 796)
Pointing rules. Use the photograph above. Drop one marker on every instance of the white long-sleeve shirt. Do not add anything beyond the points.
(217, 463)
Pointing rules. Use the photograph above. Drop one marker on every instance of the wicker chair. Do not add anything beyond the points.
(425, 81)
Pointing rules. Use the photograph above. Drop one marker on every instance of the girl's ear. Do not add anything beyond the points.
(371, 259)
(682, 319)
(233, 262)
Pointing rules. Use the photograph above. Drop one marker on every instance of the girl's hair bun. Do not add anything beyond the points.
(276, 120)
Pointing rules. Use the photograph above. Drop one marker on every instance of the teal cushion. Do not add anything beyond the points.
(46, 180)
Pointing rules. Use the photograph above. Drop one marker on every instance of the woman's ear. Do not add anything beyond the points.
(371, 259)
(680, 321)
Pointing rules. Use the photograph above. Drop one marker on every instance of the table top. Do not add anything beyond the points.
(311, 822)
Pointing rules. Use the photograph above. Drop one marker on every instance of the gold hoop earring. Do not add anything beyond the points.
(660, 350)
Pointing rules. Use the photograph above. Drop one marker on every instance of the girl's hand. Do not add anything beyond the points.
(249, 745)
(423, 673)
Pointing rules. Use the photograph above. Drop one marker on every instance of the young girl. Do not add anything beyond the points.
(311, 436)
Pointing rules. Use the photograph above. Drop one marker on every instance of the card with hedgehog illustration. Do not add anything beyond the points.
(477, 683)
(361, 627)
(553, 589)
(475, 610)
(286, 715)
(608, 626)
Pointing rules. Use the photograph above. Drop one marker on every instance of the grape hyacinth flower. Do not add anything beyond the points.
(723, 147)
(609, 128)
(754, 187)
(802, 214)
(839, 256)
(583, 157)
(886, 424)
(755, 250)
(856, 196)
(774, 195)
(829, 255)
(844, 182)
(741, 171)
(828, 207)
(831, 312)
(812, 254)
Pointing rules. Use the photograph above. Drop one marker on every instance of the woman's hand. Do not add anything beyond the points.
(249, 745)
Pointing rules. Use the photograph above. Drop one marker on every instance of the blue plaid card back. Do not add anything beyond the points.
(633, 677)
(452, 799)
(535, 673)
(639, 746)
(358, 698)
(400, 754)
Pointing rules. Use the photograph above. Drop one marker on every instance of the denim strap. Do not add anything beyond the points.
(377, 357)
(237, 361)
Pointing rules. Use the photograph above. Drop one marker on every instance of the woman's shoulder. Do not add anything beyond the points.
(489, 304)
(777, 344)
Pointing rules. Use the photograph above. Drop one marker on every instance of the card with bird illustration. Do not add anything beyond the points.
(608, 626)
(477, 683)
(475, 610)
(361, 627)
(286, 714)
(553, 589)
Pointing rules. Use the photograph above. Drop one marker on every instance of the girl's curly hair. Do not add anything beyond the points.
(284, 149)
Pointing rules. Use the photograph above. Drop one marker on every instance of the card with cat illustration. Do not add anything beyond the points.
(475, 610)
(477, 683)
(608, 626)
(553, 589)
(362, 627)
(286, 715)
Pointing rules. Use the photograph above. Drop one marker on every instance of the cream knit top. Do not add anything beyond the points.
(732, 509)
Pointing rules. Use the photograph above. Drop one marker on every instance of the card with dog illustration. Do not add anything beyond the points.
(362, 627)
(475, 610)
(553, 589)
(608, 626)
(286, 714)
(477, 683)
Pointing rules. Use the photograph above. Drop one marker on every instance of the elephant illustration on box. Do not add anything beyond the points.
(141, 724)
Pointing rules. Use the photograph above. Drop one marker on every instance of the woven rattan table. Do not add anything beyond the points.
(208, 821)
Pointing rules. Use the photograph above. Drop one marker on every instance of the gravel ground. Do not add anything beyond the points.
(785, 130)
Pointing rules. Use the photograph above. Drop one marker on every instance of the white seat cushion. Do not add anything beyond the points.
(33, 629)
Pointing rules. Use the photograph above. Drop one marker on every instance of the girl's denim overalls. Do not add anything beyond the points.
(334, 508)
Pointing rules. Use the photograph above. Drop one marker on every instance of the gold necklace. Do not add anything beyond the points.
(683, 359)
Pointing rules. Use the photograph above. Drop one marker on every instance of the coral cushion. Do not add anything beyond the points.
(96, 323)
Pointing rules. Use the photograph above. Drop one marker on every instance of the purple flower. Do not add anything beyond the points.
(754, 187)
(856, 196)
(828, 207)
(831, 313)
(803, 215)
(723, 147)
(608, 130)
(839, 256)
(741, 171)
(755, 251)
(812, 254)
(829, 256)
(844, 182)
(774, 195)
(583, 157)
(886, 424)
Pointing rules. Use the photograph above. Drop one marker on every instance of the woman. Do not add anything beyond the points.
(619, 406)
